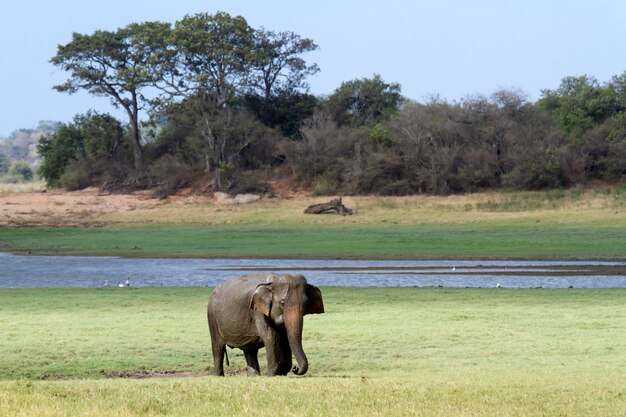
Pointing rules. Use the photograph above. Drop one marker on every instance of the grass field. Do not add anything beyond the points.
(513, 239)
(558, 225)
(376, 351)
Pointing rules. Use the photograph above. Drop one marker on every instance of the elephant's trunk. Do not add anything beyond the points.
(293, 324)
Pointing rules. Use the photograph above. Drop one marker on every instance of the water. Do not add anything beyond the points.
(27, 271)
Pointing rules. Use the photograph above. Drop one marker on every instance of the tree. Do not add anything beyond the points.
(277, 85)
(581, 103)
(285, 110)
(227, 133)
(278, 66)
(364, 102)
(58, 150)
(118, 65)
(214, 55)
(491, 123)
(103, 135)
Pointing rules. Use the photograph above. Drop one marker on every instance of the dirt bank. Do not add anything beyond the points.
(62, 208)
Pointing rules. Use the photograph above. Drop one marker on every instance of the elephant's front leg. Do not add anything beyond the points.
(253, 361)
(270, 340)
(284, 358)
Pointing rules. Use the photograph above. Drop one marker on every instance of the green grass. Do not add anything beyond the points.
(376, 351)
(511, 239)
(559, 224)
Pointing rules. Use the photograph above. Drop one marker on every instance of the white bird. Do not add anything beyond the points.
(128, 282)
(106, 283)
(454, 268)
(119, 284)
(498, 285)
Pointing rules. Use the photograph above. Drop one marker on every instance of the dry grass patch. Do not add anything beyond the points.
(28, 187)
(567, 206)
(88, 207)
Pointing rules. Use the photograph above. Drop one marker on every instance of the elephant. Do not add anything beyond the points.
(262, 310)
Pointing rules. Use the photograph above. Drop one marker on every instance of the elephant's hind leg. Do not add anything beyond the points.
(218, 358)
(218, 348)
(252, 360)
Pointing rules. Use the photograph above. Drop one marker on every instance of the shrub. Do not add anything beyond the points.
(78, 174)
(547, 166)
(171, 175)
(250, 182)
(58, 150)
(5, 164)
(326, 185)
(21, 170)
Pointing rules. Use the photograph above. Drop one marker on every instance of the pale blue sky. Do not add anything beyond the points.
(453, 48)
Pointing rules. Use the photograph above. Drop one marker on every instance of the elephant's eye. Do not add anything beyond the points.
(282, 303)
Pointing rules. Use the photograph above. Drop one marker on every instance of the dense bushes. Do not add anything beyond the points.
(89, 151)
(436, 147)
(440, 148)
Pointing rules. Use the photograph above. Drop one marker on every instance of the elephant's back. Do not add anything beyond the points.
(233, 295)
(238, 286)
(229, 309)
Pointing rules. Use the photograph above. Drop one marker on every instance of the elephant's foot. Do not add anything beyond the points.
(253, 371)
(282, 370)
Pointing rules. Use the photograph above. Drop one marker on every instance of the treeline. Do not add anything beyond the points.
(225, 104)
(18, 153)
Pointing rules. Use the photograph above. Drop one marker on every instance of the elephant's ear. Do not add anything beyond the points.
(262, 299)
(314, 303)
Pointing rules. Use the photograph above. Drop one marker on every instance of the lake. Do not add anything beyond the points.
(28, 271)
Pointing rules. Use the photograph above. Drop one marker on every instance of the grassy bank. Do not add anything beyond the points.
(504, 240)
(557, 225)
(375, 352)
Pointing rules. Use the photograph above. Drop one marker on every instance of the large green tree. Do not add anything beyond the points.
(364, 102)
(278, 88)
(581, 103)
(214, 57)
(118, 65)
(278, 65)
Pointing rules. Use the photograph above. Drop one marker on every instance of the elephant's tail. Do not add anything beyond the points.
(226, 356)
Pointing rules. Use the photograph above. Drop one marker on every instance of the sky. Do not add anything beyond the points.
(450, 48)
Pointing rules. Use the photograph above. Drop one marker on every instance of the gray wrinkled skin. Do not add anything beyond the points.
(264, 310)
